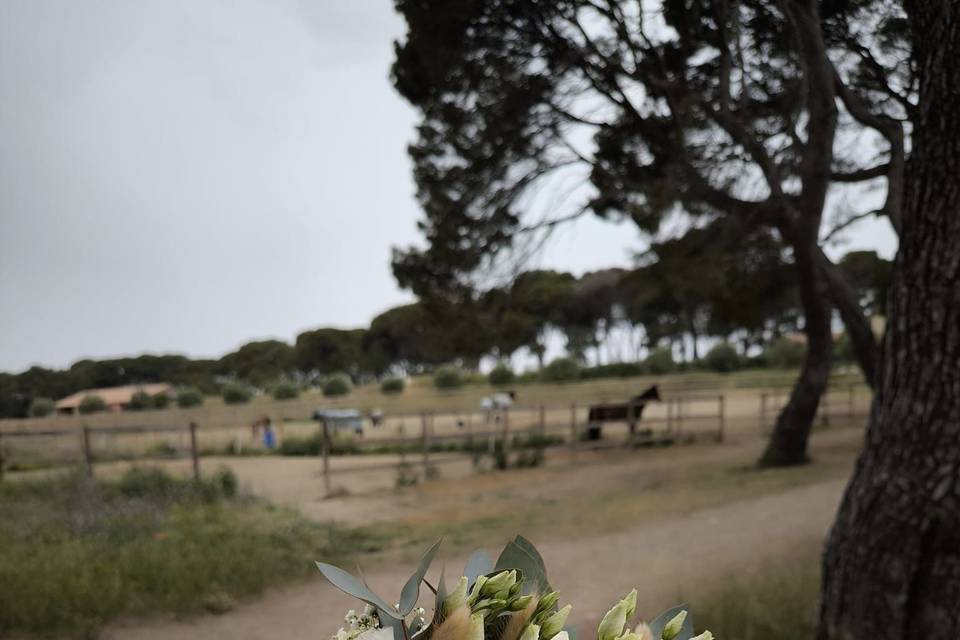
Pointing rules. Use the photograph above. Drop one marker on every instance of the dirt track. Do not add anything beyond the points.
(688, 549)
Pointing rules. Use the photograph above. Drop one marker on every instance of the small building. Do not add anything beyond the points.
(116, 398)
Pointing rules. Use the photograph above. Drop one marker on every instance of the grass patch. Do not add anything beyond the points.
(781, 603)
(76, 553)
(346, 446)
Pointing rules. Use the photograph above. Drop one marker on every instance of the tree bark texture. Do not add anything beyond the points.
(892, 562)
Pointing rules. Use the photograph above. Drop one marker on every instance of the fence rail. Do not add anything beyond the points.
(423, 438)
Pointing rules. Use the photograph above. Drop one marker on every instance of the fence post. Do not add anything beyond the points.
(573, 431)
(670, 416)
(723, 414)
(425, 436)
(543, 420)
(87, 452)
(194, 452)
(325, 441)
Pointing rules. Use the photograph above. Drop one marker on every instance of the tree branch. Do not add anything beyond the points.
(861, 175)
(892, 130)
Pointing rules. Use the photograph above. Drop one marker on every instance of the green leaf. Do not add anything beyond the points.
(521, 554)
(658, 623)
(479, 564)
(350, 585)
(395, 624)
(411, 590)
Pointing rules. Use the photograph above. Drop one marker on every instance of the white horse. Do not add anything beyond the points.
(493, 406)
(498, 401)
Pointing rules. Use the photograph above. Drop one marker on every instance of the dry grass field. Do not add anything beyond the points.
(659, 519)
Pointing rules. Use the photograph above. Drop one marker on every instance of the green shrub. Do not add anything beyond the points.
(501, 374)
(235, 393)
(722, 358)
(561, 370)
(406, 476)
(337, 385)
(784, 353)
(448, 377)
(393, 385)
(189, 397)
(313, 446)
(78, 554)
(286, 391)
(139, 401)
(41, 407)
(660, 361)
(161, 401)
(92, 404)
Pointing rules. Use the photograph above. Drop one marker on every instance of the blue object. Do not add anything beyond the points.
(269, 439)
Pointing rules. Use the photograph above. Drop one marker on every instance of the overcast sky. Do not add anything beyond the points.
(182, 176)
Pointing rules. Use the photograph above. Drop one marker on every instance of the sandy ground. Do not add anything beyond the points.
(666, 527)
(659, 559)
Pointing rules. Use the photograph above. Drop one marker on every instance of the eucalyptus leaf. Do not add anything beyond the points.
(658, 623)
(350, 585)
(480, 563)
(394, 624)
(521, 554)
(411, 590)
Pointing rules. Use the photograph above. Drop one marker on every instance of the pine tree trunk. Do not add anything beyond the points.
(864, 343)
(788, 443)
(892, 563)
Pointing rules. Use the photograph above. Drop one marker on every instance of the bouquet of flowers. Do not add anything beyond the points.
(507, 600)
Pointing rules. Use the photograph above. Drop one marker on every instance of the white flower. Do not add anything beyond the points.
(532, 632)
(554, 624)
(457, 597)
(673, 627)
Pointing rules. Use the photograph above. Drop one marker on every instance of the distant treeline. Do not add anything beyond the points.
(610, 317)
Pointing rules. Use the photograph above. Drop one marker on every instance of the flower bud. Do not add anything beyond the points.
(488, 603)
(554, 624)
(531, 632)
(631, 601)
(519, 604)
(477, 588)
(672, 628)
(612, 624)
(457, 597)
(547, 603)
(706, 635)
(629, 635)
(563, 635)
(500, 582)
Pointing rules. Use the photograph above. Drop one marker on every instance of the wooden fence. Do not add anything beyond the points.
(424, 438)
(848, 402)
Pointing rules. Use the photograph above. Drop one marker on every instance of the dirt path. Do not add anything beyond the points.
(659, 558)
